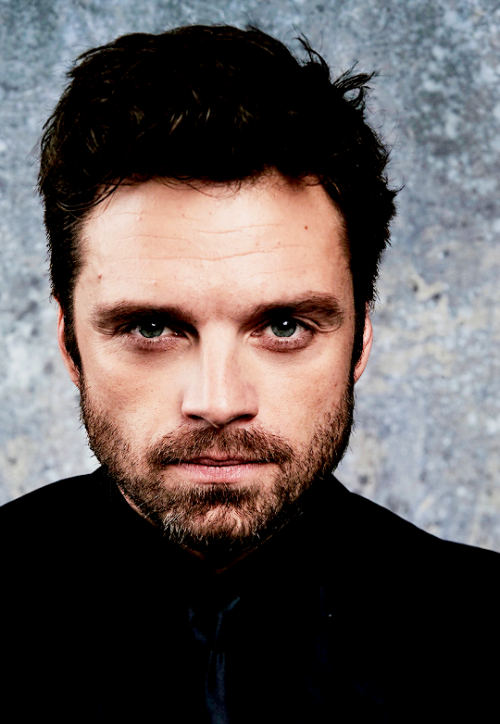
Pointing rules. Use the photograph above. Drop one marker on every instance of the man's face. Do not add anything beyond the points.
(216, 328)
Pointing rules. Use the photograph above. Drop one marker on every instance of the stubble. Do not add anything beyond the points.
(220, 520)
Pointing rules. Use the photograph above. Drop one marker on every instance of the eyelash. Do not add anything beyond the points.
(285, 344)
(150, 343)
(276, 344)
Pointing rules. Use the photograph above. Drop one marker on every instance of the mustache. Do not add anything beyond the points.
(254, 445)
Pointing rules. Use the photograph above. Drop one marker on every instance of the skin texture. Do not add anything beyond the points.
(258, 403)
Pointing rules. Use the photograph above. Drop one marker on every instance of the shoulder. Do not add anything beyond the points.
(427, 608)
(52, 540)
(392, 554)
(53, 510)
(374, 528)
(429, 591)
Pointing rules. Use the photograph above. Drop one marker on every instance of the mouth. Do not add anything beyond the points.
(221, 461)
(219, 469)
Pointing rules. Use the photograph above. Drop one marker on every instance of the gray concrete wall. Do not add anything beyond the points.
(428, 408)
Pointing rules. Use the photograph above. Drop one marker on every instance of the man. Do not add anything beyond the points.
(216, 211)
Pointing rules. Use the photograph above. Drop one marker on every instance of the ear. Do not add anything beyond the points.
(67, 359)
(367, 345)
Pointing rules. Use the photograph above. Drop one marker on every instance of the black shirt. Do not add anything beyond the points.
(349, 614)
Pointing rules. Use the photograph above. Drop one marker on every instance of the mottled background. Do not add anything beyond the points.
(428, 406)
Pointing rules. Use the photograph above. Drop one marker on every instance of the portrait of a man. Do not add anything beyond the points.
(216, 211)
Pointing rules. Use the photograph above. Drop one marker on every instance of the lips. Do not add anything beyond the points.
(220, 461)
(219, 469)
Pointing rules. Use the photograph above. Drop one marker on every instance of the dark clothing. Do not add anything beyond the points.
(350, 614)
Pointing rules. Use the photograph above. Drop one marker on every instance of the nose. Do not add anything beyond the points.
(217, 388)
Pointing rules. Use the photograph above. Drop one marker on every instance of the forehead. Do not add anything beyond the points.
(153, 240)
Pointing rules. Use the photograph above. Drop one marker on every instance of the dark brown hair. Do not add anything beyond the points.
(211, 104)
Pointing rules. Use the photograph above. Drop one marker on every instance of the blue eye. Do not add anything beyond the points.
(150, 329)
(284, 327)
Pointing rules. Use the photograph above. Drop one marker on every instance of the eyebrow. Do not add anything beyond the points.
(107, 318)
(324, 308)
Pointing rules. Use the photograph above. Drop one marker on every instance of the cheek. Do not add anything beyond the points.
(297, 399)
(137, 393)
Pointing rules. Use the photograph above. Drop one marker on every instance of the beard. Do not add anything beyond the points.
(219, 521)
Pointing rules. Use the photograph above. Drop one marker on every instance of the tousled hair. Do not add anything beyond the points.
(211, 104)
